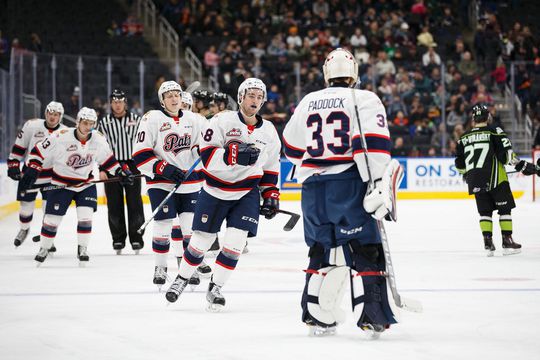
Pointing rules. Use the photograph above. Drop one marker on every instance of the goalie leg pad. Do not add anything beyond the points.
(369, 286)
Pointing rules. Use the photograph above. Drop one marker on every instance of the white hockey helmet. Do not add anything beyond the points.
(340, 64)
(86, 114)
(55, 106)
(187, 99)
(251, 83)
(167, 86)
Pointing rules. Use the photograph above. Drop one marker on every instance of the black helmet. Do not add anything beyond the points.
(117, 95)
(203, 95)
(480, 113)
(221, 97)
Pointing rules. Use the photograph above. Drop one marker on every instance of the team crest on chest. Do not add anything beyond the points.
(72, 147)
(234, 132)
(39, 134)
(165, 127)
(77, 161)
(176, 143)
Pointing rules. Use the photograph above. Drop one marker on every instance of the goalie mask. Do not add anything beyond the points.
(251, 83)
(340, 64)
(52, 108)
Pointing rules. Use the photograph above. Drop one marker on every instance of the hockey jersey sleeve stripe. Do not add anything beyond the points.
(269, 179)
(206, 155)
(293, 152)
(18, 150)
(45, 173)
(67, 180)
(374, 142)
(35, 151)
(143, 156)
(241, 185)
(109, 163)
(327, 162)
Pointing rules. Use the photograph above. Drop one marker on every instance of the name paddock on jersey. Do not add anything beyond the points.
(480, 137)
(326, 103)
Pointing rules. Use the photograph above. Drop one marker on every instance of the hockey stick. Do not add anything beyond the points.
(193, 86)
(160, 206)
(292, 221)
(49, 187)
(406, 304)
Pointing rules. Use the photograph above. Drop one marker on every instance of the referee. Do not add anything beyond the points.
(120, 129)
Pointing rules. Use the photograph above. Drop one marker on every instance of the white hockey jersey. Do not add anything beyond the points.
(322, 136)
(33, 132)
(231, 182)
(173, 139)
(72, 160)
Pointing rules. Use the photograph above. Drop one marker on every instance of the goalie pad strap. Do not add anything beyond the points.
(313, 299)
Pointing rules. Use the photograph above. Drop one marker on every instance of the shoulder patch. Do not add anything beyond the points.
(62, 131)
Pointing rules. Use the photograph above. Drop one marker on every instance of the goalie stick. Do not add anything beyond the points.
(406, 304)
(160, 206)
(49, 187)
(292, 221)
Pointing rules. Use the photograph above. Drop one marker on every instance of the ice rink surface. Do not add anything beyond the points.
(474, 307)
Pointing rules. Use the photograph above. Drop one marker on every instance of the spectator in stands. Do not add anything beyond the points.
(499, 75)
(358, 39)
(467, 67)
(400, 119)
(399, 149)
(211, 59)
(114, 30)
(396, 105)
(431, 58)
(384, 65)
(132, 26)
(425, 38)
(457, 115)
(293, 39)
(72, 107)
(35, 43)
(481, 95)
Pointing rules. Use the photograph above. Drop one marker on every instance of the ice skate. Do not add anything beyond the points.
(204, 270)
(36, 238)
(118, 246)
(509, 246)
(488, 245)
(160, 276)
(21, 236)
(319, 331)
(176, 289)
(214, 248)
(137, 246)
(82, 255)
(216, 301)
(373, 331)
(41, 256)
(194, 281)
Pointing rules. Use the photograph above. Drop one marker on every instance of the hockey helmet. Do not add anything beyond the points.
(55, 106)
(117, 95)
(251, 83)
(86, 114)
(203, 95)
(340, 64)
(221, 97)
(480, 113)
(187, 99)
(167, 86)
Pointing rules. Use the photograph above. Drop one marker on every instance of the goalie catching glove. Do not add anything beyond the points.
(380, 200)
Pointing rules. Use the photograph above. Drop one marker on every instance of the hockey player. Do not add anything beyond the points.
(221, 101)
(201, 105)
(166, 147)
(72, 153)
(187, 101)
(481, 155)
(33, 132)
(240, 154)
(324, 141)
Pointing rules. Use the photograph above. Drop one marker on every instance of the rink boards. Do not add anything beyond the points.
(425, 178)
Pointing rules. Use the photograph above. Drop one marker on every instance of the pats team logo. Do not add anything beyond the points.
(204, 218)
(234, 132)
(176, 143)
(165, 127)
(56, 206)
(77, 161)
(166, 209)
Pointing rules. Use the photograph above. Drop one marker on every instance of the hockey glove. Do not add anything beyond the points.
(30, 176)
(14, 172)
(380, 200)
(241, 154)
(169, 171)
(270, 204)
(526, 168)
(126, 176)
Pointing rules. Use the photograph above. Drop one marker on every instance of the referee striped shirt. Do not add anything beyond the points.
(120, 133)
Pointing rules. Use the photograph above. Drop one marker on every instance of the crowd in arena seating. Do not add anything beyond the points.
(401, 47)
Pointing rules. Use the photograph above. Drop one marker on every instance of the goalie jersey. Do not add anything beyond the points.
(33, 132)
(72, 160)
(322, 137)
(481, 154)
(173, 139)
(231, 182)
